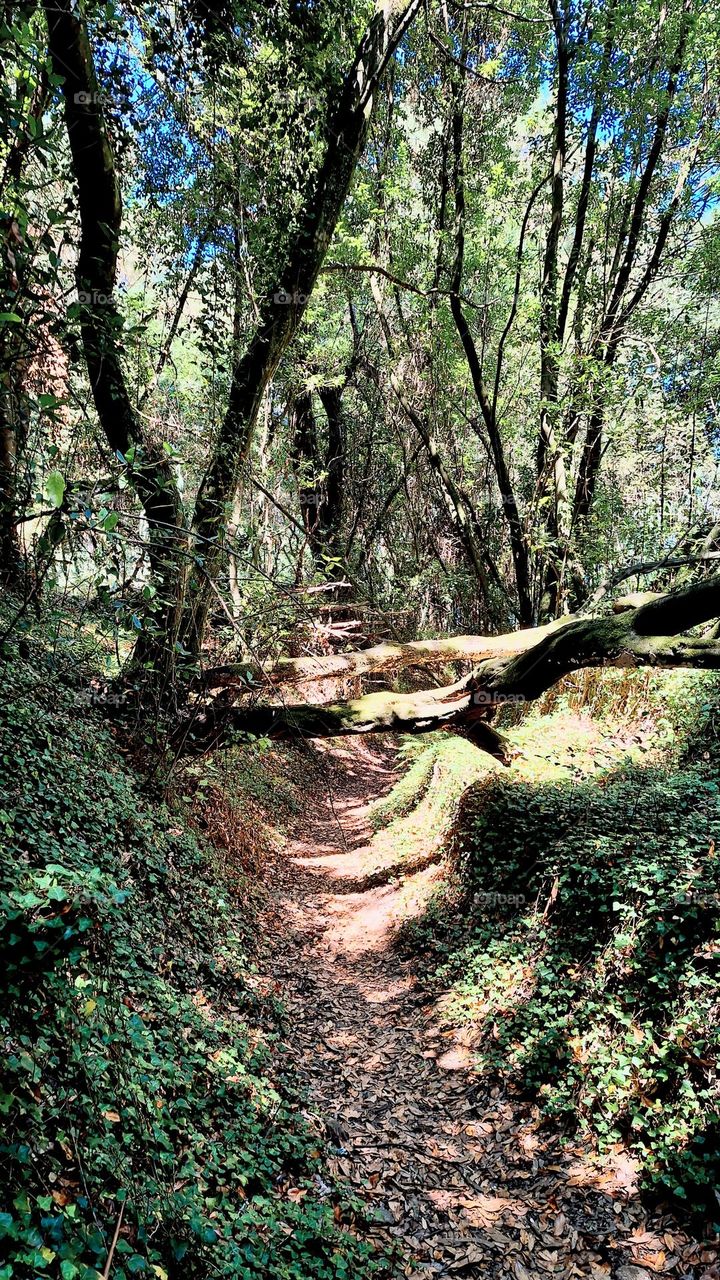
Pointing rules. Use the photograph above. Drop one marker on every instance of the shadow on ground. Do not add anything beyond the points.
(458, 1174)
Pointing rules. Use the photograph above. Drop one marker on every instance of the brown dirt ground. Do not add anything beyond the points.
(459, 1178)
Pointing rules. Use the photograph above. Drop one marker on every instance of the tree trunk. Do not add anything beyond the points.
(14, 339)
(100, 208)
(644, 636)
(320, 474)
(283, 309)
(305, 458)
(518, 542)
(331, 514)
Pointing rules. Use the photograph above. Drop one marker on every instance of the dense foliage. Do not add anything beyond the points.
(143, 1079)
(588, 956)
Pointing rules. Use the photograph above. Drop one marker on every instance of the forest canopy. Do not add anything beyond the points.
(325, 324)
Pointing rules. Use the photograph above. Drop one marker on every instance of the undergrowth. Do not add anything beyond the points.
(424, 801)
(144, 1088)
(242, 800)
(580, 934)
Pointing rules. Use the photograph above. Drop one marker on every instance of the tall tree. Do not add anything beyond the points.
(186, 598)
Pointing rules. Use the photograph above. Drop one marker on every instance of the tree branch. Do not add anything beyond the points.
(645, 636)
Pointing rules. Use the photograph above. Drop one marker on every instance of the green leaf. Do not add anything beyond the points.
(55, 488)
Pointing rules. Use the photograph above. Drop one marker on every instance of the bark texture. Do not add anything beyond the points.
(644, 636)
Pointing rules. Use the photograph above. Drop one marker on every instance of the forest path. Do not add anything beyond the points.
(457, 1177)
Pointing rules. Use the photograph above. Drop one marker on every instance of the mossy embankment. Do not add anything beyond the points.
(146, 1095)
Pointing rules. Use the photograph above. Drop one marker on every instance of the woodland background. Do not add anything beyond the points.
(359, 370)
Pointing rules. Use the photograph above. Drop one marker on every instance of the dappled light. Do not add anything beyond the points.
(425, 1126)
(360, 640)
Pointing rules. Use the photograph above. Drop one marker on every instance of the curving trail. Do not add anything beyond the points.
(458, 1178)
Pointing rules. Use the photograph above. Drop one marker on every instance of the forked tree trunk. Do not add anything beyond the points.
(284, 307)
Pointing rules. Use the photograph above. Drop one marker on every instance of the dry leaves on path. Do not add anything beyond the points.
(457, 1177)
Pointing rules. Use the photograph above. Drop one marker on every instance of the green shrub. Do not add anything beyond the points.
(141, 1075)
(592, 964)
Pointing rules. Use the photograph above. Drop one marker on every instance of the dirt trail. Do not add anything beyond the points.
(456, 1175)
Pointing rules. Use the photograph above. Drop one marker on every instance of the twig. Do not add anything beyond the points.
(118, 1225)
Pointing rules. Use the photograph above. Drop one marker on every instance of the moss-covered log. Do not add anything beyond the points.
(425, 712)
(380, 658)
(645, 636)
(607, 642)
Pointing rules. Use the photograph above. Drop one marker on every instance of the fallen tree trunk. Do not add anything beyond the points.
(381, 657)
(644, 636)
(425, 712)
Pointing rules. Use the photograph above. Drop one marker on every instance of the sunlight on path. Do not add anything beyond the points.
(457, 1176)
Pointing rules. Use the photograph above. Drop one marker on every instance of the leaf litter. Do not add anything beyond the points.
(456, 1177)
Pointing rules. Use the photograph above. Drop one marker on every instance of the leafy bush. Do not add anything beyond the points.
(143, 1081)
(592, 965)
